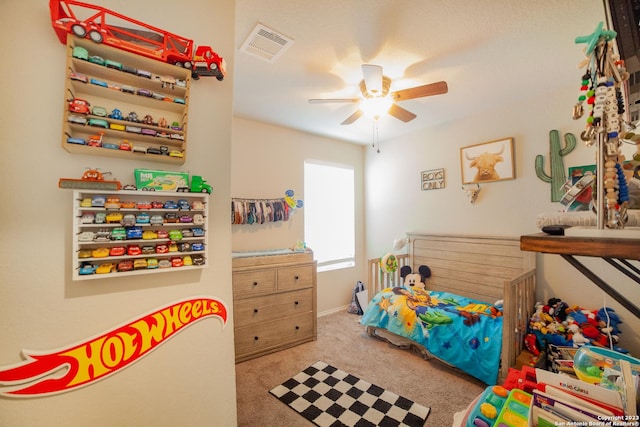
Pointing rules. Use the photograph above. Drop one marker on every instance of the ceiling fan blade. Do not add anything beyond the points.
(372, 78)
(323, 101)
(352, 118)
(400, 113)
(420, 91)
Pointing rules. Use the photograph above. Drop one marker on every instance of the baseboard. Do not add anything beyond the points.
(333, 310)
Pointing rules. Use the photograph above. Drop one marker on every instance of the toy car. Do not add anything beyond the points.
(185, 247)
(198, 259)
(126, 265)
(128, 89)
(144, 92)
(125, 146)
(176, 153)
(163, 123)
(101, 218)
(176, 262)
(167, 81)
(116, 126)
(129, 220)
(140, 264)
(143, 73)
(152, 150)
(176, 136)
(98, 123)
(162, 249)
(164, 149)
(80, 53)
(143, 150)
(134, 233)
(175, 235)
(164, 263)
(173, 247)
(114, 86)
(198, 219)
(187, 232)
(181, 83)
(116, 114)
(148, 120)
(87, 218)
(103, 235)
(99, 111)
(105, 268)
(112, 203)
(158, 96)
(118, 233)
(143, 204)
(77, 119)
(86, 202)
(183, 205)
(129, 69)
(151, 132)
(78, 141)
(176, 126)
(100, 253)
(87, 269)
(98, 82)
(114, 217)
(86, 236)
(78, 76)
(197, 204)
(197, 246)
(171, 217)
(149, 235)
(110, 63)
(95, 140)
(187, 260)
(157, 204)
(170, 204)
(128, 204)
(132, 117)
(143, 218)
(84, 253)
(96, 60)
(148, 249)
(110, 146)
(98, 201)
(163, 234)
(186, 219)
(179, 100)
(117, 251)
(133, 129)
(152, 263)
(133, 250)
(198, 232)
(78, 105)
(156, 220)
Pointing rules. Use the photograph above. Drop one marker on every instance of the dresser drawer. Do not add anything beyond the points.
(266, 308)
(275, 335)
(249, 283)
(295, 277)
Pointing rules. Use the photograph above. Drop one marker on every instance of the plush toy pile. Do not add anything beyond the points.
(559, 324)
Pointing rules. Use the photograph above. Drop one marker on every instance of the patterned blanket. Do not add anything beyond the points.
(461, 331)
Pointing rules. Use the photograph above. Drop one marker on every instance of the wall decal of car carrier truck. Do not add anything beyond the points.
(105, 26)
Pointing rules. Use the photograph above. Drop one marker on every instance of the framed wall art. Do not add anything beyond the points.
(432, 179)
(487, 162)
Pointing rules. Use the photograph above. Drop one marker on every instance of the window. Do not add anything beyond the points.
(329, 214)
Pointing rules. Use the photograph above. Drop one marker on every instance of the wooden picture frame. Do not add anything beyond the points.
(432, 179)
(487, 162)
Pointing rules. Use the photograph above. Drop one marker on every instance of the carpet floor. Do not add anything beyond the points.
(342, 342)
(330, 397)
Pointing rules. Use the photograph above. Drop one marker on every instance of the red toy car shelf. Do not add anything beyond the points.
(87, 20)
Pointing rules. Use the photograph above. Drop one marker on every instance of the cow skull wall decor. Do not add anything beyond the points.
(472, 192)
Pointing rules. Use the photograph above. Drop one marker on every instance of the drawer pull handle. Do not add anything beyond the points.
(296, 277)
(296, 303)
(255, 310)
(255, 338)
(255, 283)
(297, 327)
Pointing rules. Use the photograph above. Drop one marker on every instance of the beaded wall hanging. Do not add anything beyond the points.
(603, 86)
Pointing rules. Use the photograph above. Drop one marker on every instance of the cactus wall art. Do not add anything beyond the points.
(557, 175)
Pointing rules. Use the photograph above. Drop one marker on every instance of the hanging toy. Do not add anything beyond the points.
(388, 263)
(291, 202)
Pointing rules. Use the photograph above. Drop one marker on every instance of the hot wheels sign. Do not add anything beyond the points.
(47, 373)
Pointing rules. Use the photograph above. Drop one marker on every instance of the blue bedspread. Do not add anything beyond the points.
(461, 331)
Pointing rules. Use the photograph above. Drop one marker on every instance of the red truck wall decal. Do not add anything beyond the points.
(84, 363)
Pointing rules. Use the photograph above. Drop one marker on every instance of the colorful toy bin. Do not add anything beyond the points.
(155, 180)
(590, 363)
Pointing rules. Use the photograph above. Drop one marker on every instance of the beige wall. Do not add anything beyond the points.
(189, 380)
(268, 160)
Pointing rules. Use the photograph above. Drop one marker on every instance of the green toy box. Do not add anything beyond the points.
(147, 179)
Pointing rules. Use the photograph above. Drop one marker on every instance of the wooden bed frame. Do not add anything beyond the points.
(485, 268)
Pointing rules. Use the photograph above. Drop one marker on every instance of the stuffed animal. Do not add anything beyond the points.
(416, 280)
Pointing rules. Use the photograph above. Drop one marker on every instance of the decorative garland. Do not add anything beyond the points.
(260, 211)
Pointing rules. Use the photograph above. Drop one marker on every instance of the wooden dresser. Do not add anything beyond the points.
(274, 303)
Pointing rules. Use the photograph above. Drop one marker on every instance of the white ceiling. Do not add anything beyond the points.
(490, 52)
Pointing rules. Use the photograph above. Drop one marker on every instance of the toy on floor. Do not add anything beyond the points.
(499, 407)
(590, 362)
(524, 379)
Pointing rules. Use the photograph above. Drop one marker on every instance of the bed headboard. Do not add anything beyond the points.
(472, 266)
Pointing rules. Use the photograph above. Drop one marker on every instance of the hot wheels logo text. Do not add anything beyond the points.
(101, 356)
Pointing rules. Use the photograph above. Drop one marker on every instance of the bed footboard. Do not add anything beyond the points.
(519, 303)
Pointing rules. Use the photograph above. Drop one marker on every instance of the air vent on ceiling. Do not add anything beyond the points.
(265, 43)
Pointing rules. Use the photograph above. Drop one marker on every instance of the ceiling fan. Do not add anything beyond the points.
(376, 99)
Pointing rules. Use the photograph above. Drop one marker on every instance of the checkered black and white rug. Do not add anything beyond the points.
(328, 396)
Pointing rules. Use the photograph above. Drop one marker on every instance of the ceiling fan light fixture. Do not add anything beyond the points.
(376, 107)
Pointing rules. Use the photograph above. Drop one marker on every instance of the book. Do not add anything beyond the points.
(594, 405)
(558, 407)
(580, 388)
